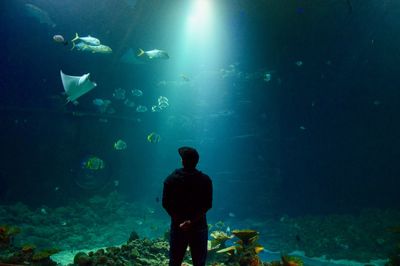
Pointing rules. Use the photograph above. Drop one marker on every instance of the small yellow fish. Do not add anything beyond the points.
(93, 163)
(258, 249)
(153, 137)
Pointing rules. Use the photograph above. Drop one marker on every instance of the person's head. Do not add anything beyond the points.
(190, 157)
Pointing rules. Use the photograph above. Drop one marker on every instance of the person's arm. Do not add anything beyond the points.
(207, 203)
(166, 199)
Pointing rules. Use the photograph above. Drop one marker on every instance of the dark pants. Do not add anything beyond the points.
(195, 238)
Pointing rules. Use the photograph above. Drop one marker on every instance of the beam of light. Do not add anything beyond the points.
(200, 20)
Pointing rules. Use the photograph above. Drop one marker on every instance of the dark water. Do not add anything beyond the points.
(318, 138)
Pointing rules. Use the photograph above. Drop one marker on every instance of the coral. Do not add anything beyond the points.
(44, 254)
(22, 255)
(245, 253)
(27, 248)
(273, 263)
(291, 261)
(7, 234)
(246, 236)
(393, 229)
(219, 239)
(133, 236)
(136, 252)
(232, 250)
(394, 257)
(394, 260)
(82, 259)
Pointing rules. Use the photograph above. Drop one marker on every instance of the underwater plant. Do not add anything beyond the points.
(27, 248)
(219, 239)
(44, 255)
(245, 252)
(291, 261)
(394, 258)
(7, 234)
(26, 254)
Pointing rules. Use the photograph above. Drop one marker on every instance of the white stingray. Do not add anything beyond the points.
(76, 86)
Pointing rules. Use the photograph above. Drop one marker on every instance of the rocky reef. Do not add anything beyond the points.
(107, 221)
(147, 252)
(394, 257)
(26, 254)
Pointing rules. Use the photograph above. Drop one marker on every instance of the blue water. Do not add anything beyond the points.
(293, 105)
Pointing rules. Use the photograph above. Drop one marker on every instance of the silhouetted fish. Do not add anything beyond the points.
(39, 14)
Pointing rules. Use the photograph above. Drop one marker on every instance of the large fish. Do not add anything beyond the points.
(101, 49)
(39, 14)
(153, 54)
(88, 40)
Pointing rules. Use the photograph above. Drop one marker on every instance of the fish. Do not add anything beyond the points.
(141, 109)
(76, 86)
(162, 102)
(60, 39)
(120, 145)
(98, 102)
(267, 76)
(299, 63)
(88, 40)
(39, 14)
(258, 249)
(129, 103)
(153, 138)
(102, 105)
(101, 49)
(119, 94)
(137, 92)
(93, 163)
(155, 108)
(153, 54)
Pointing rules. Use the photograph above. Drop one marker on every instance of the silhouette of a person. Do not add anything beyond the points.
(187, 196)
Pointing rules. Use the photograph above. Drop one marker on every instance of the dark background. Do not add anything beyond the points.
(346, 95)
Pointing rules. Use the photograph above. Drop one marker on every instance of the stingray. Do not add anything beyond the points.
(76, 86)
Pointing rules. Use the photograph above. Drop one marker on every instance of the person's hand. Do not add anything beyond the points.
(185, 225)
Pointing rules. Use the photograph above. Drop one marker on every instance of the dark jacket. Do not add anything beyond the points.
(187, 195)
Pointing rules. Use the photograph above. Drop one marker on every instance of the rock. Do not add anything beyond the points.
(133, 236)
(82, 259)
